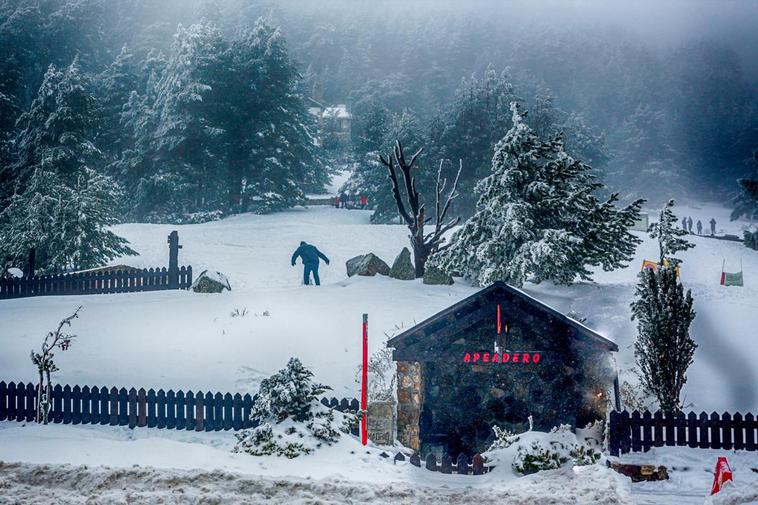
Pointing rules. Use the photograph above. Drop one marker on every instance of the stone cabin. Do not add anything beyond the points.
(495, 358)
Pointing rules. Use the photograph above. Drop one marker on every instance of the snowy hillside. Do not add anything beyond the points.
(191, 341)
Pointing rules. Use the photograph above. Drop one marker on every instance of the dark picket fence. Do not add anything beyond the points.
(461, 465)
(91, 283)
(196, 411)
(638, 432)
(101, 281)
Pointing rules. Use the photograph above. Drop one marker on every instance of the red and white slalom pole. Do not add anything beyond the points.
(364, 383)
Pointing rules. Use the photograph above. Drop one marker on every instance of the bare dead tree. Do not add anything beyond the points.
(45, 363)
(414, 213)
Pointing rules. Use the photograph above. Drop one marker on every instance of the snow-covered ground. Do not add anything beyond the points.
(181, 467)
(691, 476)
(178, 339)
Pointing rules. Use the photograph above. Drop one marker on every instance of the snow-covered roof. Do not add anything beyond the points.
(338, 112)
(428, 327)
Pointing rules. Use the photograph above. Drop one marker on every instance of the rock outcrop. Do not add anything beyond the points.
(402, 267)
(367, 265)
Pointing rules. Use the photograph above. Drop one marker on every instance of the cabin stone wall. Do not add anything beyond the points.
(409, 403)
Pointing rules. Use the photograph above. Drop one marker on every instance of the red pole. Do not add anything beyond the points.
(364, 382)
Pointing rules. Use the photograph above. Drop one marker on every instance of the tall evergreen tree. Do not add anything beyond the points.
(56, 132)
(284, 162)
(115, 85)
(538, 218)
(186, 139)
(664, 349)
(60, 205)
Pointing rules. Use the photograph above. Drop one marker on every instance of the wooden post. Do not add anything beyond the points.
(364, 383)
(173, 260)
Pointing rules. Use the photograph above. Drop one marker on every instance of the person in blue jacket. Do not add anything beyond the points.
(310, 256)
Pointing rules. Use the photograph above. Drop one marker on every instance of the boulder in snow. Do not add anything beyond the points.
(367, 265)
(210, 282)
(402, 268)
(436, 276)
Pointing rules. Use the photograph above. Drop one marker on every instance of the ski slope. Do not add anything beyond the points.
(179, 339)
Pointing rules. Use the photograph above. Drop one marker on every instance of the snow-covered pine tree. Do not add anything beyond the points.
(284, 162)
(61, 206)
(114, 86)
(670, 236)
(288, 393)
(288, 419)
(664, 349)
(67, 225)
(746, 202)
(187, 142)
(538, 218)
(56, 132)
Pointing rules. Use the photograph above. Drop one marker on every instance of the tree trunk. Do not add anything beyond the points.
(420, 257)
(234, 184)
(48, 392)
(39, 397)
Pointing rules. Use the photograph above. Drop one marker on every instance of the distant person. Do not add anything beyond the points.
(689, 224)
(713, 227)
(699, 227)
(364, 202)
(343, 200)
(337, 201)
(684, 223)
(310, 257)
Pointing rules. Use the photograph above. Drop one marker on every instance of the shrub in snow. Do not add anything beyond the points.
(290, 419)
(536, 451)
(381, 376)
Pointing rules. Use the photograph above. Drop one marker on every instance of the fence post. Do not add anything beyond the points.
(614, 439)
(173, 260)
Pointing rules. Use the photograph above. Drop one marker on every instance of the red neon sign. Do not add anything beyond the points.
(516, 357)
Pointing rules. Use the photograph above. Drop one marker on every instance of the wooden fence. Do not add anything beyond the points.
(90, 283)
(135, 408)
(638, 432)
(462, 465)
(171, 410)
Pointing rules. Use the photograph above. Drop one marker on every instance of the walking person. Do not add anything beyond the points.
(699, 227)
(689, 224)
(343, 200)
(713, 226)
(684, 223)
(310, 257)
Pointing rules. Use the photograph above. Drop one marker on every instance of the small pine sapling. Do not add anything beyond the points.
(45, 363)
(670, 237)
